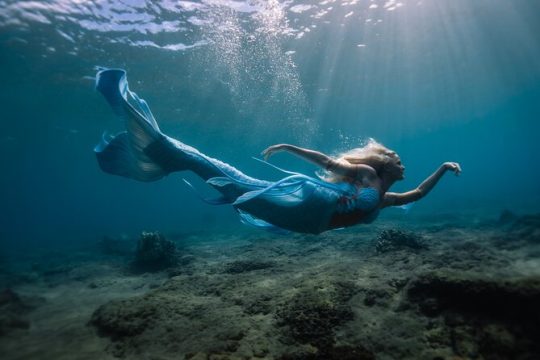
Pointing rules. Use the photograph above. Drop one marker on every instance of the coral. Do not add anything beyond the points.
(392, 239)
(312, 316)
(154, 253)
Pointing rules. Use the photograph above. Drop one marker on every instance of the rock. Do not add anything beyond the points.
(496, 339)
(172, 319)
(310, 317)
(123, 318)
(392, 240)
(351, 353)
(197, 356)
(485, 315)
(13, 312)
(9, 298)
(333, 353)
(259, 305)
(154, 253)
(497, 298)
(377, 296)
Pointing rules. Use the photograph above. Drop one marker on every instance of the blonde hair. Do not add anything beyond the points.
(373, 154)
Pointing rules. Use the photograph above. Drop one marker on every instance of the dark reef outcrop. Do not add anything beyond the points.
(13, 311)
(394, 239)
(497, 318)
(167, 316)
(154, 253)
(312, 317)
(334, 353)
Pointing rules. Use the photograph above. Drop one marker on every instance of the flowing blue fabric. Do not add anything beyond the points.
(297, 202)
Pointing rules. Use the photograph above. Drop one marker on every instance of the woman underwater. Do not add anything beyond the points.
(354, 190)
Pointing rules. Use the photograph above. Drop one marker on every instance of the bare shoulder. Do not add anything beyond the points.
(366, 173)
(352, 170)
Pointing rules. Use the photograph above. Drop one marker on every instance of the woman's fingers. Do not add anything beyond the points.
(455, 167)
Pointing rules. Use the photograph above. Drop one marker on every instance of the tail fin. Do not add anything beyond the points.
(124, 154)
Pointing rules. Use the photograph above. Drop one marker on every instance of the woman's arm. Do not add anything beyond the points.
(322, 160)
(315, 157)
(396, 199)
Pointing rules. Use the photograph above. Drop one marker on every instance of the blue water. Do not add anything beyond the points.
(436, 80)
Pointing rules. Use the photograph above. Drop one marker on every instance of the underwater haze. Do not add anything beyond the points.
(95, 266)
(434, 80)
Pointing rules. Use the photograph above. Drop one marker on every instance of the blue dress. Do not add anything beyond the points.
(297, 203)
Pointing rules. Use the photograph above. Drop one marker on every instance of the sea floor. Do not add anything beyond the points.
(436, 288)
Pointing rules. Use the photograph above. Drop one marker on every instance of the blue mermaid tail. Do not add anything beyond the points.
(296, 203)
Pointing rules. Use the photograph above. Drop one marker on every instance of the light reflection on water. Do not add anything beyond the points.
(246, 43)
(353, 60)
(139, 23)
(243, 44)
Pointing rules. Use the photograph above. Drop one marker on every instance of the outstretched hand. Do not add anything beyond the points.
(453, 166)
(266, 153)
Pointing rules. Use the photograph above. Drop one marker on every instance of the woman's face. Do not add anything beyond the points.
(395, 168)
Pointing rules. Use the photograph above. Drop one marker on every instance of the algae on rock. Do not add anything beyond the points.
(154, 253)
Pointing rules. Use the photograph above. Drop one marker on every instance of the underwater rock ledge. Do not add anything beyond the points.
(502, 316)
(154, 253)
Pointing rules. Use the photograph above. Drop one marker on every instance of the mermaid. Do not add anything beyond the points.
(353, 190)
